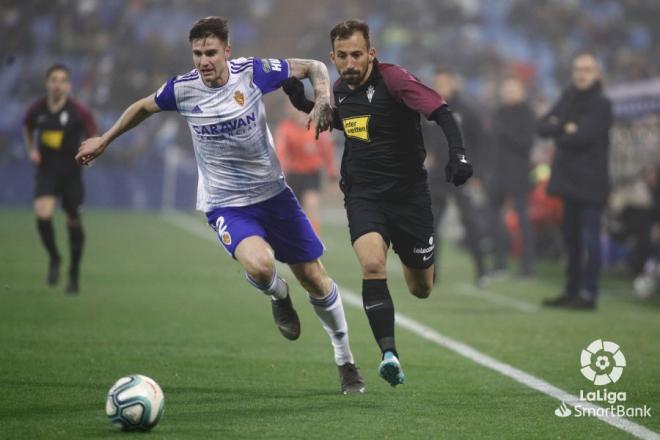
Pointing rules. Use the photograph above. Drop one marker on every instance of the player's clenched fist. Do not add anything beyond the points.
(321, 117)
(458, 169)
(89, 150)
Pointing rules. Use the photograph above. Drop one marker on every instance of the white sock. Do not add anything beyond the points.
(277, 288)
(330, 311)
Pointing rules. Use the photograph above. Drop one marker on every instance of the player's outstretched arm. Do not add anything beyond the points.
(458, 169)
(321, 114)
(132, 116)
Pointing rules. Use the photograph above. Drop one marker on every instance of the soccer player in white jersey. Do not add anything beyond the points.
(241, 187)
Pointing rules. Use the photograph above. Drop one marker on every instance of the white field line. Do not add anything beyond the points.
(189, 224)
(496, 298)
(394, 268)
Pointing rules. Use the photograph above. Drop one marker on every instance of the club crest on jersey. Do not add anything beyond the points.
(226, 238)
(64, 117)
(357, 127)
(239, 98)
(370, 92)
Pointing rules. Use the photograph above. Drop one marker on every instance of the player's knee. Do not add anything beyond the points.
(73, 221)
(44, 216)
(421, 290)
(43, 212)
(260, 266)
(314, 280)
(373, 268)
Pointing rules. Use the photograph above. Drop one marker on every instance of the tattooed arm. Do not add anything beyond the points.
(321, 114)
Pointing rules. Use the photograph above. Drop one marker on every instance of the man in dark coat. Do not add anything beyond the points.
(514, 137)
(579, 124)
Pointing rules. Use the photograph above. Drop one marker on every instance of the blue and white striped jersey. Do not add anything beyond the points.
(236, 159)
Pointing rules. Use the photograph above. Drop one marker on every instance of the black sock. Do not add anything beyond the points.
(76, 240)
(47, 235)
(378, 306)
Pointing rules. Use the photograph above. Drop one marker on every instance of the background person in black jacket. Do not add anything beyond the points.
(447, 84)
(513, 123)
(579, 124)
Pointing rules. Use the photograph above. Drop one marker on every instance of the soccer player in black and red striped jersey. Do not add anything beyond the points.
(60, 123)
(383, 178)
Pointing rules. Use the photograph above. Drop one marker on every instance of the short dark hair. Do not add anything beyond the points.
(58, 67)
(345, 29)
(213, 26)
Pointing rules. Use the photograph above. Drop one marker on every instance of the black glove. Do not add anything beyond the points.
(458, 169)
(295, 89)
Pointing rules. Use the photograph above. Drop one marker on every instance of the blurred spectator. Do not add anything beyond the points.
(303, 159)
(513, 138)
(647, 282)
(447, 84)
(579, 124)
(105, 43)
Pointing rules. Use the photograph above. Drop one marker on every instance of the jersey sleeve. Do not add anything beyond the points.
(406, 89)
(269, 73)
(30, 118)
(165, 98)
(87, 119)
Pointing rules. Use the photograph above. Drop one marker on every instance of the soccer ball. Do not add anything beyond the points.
(135, 403)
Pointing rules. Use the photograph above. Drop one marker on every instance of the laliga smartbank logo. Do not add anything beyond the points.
(602, 363)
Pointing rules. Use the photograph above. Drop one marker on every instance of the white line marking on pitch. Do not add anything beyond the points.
(190, 225)
(496, 298)
(393, 268)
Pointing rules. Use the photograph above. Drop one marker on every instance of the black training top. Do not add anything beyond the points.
(59, 134)
(384, 149)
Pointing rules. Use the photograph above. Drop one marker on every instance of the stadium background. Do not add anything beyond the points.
(120, 50)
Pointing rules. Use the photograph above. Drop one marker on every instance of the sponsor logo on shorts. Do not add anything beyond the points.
(357, 127)
(427, 251)
(221, 229)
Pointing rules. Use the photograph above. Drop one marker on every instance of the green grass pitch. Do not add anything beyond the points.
(163, 302)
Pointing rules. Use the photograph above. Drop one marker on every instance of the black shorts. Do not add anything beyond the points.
(301, 183)
(406, 223)
(67, 185)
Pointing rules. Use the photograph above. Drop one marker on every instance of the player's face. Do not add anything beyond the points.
(353, 59)
(58, 84)
(585, 72)
(210, 57)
